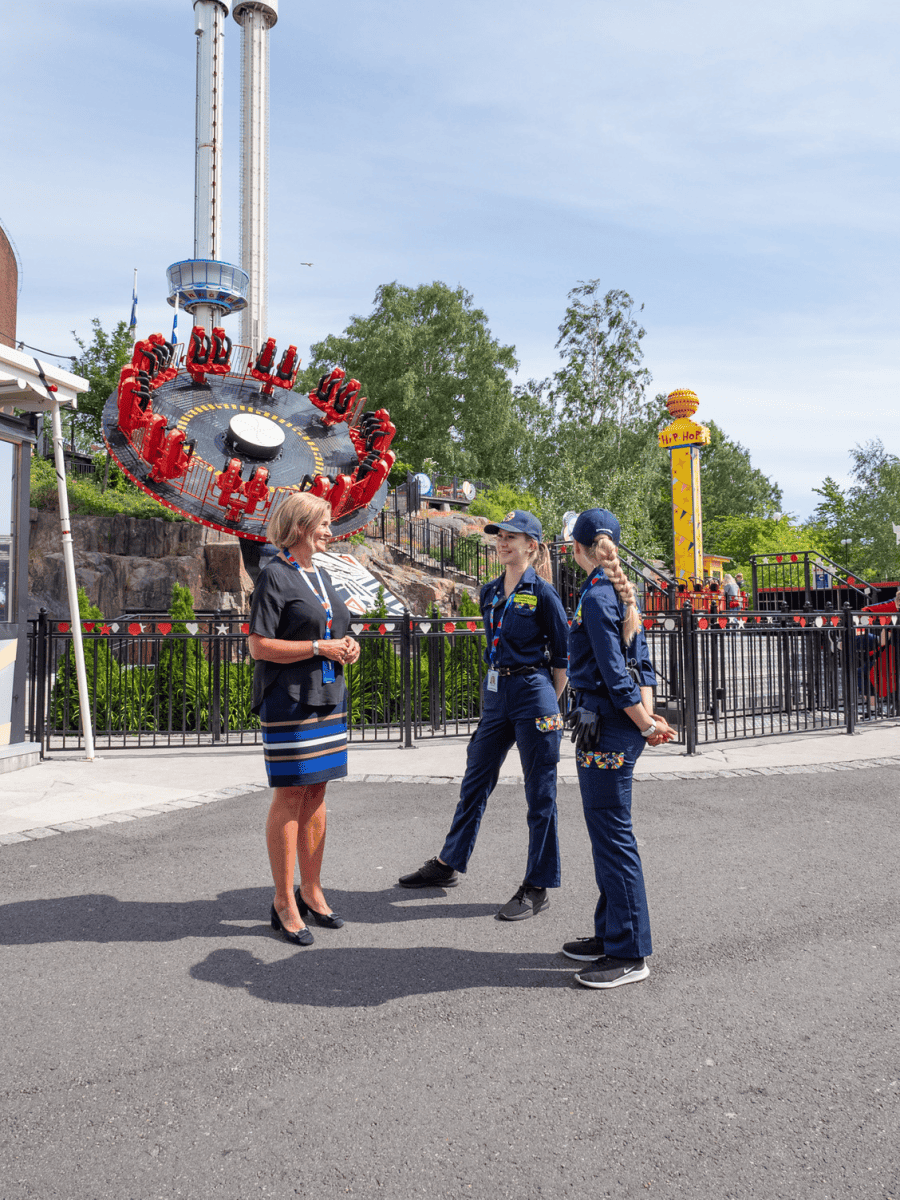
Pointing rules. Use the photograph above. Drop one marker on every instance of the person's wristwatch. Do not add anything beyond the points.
(649, 731)
(315, 647)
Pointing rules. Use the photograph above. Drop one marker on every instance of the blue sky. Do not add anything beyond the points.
(732, 166)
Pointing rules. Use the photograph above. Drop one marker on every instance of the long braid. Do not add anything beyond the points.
(605, 552)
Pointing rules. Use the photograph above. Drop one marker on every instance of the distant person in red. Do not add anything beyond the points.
(882, 683)
(888, 606)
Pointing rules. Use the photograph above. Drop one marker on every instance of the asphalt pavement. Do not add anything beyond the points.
(160, 1041)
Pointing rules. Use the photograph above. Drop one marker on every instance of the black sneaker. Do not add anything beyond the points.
(584, 949)
(527, 902)
(433, 874)
(609, 972)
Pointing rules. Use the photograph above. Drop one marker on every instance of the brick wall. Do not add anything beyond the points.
(9, 286)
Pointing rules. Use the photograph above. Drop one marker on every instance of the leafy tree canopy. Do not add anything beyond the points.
(864, 514)
(100, 361)
(601, 381)
(739, 537)
(427, 355)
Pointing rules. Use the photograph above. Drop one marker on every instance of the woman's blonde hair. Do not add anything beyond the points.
(296, 518)
(542, 562)
(602, 552)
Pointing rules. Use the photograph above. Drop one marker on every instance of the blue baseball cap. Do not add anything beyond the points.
(594, 521)
(518, 521)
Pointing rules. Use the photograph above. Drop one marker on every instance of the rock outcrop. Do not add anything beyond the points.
(128, 565)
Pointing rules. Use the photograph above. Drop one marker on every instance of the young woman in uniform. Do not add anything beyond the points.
(612, 722)
(526, 631)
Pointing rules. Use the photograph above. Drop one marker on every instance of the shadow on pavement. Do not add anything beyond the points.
(102, 918)
(364, 978)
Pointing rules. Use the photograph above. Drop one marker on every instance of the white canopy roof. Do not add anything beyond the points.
(21, 385)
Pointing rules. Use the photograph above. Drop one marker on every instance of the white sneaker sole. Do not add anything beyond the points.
(634, 976)
(582, 957)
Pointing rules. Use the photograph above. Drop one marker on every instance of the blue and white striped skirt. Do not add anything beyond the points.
(303, 743)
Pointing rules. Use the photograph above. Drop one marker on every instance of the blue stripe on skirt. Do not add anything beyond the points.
(303, 743)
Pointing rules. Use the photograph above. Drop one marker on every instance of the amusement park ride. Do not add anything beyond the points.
(214, 430)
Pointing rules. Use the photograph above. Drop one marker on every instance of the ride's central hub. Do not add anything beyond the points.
(255, 435)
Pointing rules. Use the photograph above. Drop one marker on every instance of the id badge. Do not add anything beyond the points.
(327, 670)
(492, 677)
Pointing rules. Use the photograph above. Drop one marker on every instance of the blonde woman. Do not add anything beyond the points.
(612, 723)
(298, 641)
(526, 632)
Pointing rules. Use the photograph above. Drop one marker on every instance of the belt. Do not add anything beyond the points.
(517, 670)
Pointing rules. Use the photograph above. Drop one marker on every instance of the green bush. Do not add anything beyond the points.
(175, 693)
(87, 500)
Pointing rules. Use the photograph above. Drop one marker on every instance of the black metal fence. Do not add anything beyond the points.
(801, 577)
(722, 677)
(437, 545)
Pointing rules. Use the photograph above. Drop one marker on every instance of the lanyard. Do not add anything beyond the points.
(495, 641)
(576, 620)
(323, 599)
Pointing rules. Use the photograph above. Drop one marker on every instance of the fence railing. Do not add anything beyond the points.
(800, 577)
(722, 677)
(439, 546)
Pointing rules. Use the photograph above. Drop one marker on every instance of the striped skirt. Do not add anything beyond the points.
(303, 743)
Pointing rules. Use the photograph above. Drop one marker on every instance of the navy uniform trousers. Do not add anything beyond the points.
(523, 710)
(621, 919)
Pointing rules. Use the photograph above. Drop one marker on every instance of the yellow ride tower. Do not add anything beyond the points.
(683, 439)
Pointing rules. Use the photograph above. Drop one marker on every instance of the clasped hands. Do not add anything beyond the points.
(343, 650)
(664, 732)
(585, 725)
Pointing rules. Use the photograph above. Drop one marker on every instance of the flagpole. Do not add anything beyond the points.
(133, 322)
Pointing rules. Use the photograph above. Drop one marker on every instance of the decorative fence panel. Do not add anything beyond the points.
(721, 677)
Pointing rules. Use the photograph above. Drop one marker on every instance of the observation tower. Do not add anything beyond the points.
(204, 286)
(256, 18)
(214, 430)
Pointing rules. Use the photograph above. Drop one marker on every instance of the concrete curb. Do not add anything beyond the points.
(152, 810)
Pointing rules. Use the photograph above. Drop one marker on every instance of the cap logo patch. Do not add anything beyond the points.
(510, 516)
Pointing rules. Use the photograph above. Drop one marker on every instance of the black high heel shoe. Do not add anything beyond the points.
(326, 920)
(298, 937)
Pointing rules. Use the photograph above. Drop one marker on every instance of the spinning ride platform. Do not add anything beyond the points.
(219, 450)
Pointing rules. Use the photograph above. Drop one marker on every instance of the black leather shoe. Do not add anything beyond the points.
(326, 920)
(433, 874)
(297, 937)
(527, 902)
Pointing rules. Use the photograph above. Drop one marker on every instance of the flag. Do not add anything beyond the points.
(132, 324)
(175, 323)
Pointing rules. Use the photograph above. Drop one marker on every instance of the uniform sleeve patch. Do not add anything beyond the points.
(549, 724)
(603, 760)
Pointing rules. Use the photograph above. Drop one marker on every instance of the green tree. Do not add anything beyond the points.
(100, 361)
(739, 537)
(864, 514)
(602, 381)
(427, 355)
(731, 485)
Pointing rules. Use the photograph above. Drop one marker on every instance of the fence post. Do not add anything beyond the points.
(406, 676)
(753, 584)
(442, 552)
(215, 700)
(40, 725)
(849, 670)
(688, 651)
(806, 586)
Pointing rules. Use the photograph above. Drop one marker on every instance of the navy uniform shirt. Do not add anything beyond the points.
(534, 619)
(596, 654)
